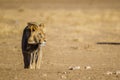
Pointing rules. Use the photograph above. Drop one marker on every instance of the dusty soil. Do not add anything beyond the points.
(75, 37)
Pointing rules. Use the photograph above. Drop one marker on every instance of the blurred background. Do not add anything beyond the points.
(60, 3)
(79, 33)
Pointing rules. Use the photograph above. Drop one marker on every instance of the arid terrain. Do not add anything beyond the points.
(84, 37)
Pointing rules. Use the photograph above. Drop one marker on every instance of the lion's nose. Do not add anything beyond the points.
(43, 44)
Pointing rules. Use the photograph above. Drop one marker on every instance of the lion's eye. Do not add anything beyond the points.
(40, 35)
(33, 30)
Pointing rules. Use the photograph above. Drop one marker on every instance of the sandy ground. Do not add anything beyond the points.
(75, 37)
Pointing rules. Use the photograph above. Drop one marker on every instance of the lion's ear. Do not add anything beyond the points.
(42, 25)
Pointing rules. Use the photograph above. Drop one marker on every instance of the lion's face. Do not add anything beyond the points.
(37, 34)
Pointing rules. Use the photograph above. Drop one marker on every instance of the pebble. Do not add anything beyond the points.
(63, 77)
(117, 72)
(64, 72)
(74, 68)
(88, 67)
(109, 73)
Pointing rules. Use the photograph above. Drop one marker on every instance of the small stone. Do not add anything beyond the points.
(63, 77)
(74, 68)
(88, 67)
(117, 72)
(64, 72)
(109, 73)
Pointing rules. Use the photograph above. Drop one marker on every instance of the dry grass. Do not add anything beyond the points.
(72, 36)
(13, 21)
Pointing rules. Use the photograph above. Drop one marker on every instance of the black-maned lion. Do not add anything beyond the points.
(32, 41)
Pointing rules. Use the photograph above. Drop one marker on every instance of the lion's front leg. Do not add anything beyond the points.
(39, 57)
(32, 60)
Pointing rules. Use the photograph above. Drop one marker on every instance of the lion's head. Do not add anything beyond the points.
(37, 33)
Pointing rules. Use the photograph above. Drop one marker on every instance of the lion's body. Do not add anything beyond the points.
(33, 37)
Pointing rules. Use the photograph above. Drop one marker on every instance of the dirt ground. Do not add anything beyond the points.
(85, 38)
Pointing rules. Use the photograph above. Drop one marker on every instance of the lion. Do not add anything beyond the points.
(34, 37)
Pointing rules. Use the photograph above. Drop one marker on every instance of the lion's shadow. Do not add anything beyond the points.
(108, 43)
